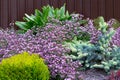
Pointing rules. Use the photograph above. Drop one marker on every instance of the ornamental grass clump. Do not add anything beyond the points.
(24, 66)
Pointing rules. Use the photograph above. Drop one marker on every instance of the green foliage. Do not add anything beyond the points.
(82, 51)
(83, 36)
(116, 56)
(99, 55)
(115, 23)
(59, 14)
(83, 22)
(97, 20)
(39, 19)
(24, 67)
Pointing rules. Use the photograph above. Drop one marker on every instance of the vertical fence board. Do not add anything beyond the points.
(78, 6)
(94, 8)
(45, 2)
(29, 6)
(38, 4)
(101, 8)
(61, 2)
(4, 13)
(54, 3)
(21, 9)
(9, 11)
(109, 9)
(86, 8)
(70, 4)
(0, 13)
(12, 11)
(117, 9)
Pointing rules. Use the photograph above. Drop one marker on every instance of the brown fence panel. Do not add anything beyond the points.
(117, 9)
(86, 8)
(94, 8)
(45, 2)
(54, 3)
(109, 8)
(0, 13)
(78, 6)
(70, 4)
(4, 13)
(12, 10)
(20, 9)
(101, 5)
(61, 2)
(29, 6)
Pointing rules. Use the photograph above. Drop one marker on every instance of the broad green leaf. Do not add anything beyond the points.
(38, 13)
(62, 11)
(30, 17)
(39, 21)
(67, 14)
(45, 14)
(21, 25)
(30, 24)
(56, 13)
(26, 19)
(51, 12)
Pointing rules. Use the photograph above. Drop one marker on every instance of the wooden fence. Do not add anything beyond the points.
(12, 10)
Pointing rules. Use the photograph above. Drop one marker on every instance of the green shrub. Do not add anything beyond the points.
(99, 55)
(97, 21)
(112, 22)
(24, 67)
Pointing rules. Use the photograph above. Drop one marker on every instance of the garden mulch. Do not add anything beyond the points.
(94, 74)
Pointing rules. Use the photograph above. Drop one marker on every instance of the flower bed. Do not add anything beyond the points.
(69, 44)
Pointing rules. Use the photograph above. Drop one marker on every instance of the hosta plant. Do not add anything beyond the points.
(59, 14)
(40, 18)
(24, 66)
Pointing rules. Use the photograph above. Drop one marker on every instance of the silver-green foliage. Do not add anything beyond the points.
(99, 55)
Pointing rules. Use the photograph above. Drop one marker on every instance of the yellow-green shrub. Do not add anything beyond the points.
(24, 66)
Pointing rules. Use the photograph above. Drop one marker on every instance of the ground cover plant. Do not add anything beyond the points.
(67, 42)
(53, 53)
